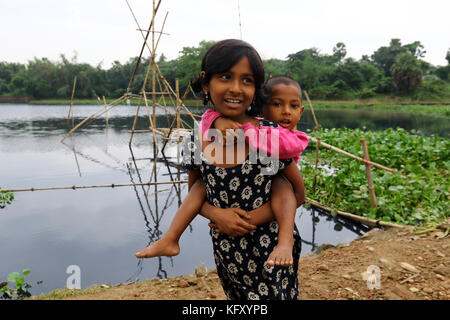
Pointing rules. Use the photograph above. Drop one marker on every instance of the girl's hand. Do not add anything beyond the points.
(232, 221)
(225, 126)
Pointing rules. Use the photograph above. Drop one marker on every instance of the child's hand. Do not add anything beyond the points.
(226, 127)
(233, 222)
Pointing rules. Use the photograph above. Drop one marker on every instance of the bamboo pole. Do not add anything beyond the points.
(133, 127)
(373, 199)
(363, 220)
(177, 90)
(317, 163)
(171, 90)
(106, 112)
(317, 126)
(351, 155)
(71, 103)
(146, 37)
(155, 140)
(96, 114)
(95, 186)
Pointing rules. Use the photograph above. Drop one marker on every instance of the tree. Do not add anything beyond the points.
(384, 57)
(189, 63)
(310, 68)
(406, 72)
(339, 51)
(444, 72)
(275, 67)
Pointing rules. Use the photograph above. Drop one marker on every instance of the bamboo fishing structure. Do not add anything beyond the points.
(317, 126)
(155, 85)
(96, 186)
(70, 115)
(345, 153)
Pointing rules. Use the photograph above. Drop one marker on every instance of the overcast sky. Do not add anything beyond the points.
(101, 31)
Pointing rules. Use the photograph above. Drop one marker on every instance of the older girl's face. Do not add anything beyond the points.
(232, 92)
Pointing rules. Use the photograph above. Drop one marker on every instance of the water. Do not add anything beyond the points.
(100, 229)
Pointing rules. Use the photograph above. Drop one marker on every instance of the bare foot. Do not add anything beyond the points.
(281, 256)
(163, 247)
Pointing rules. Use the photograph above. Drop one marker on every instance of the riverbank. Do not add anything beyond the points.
(413, 263)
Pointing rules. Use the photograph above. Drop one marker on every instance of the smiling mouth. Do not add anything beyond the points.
(233, 102)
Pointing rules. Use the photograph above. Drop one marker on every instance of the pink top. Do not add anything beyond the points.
(291, 142)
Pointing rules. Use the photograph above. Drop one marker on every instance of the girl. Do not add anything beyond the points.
(283, 106)
(232, 76)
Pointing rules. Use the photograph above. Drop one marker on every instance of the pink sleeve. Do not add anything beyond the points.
(208, 118)
(290, 143)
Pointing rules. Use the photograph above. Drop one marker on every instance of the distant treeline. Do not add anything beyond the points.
(393, 70)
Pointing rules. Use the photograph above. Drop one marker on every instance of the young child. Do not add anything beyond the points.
(232, 76)
(283, 106)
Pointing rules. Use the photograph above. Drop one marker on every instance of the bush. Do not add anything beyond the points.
(433, 90)
(367, 93)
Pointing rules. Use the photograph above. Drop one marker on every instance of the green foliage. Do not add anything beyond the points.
(5, 198)
(406, 72)
(19, 289)
(391, 70)
(415, 194)
(189, 62)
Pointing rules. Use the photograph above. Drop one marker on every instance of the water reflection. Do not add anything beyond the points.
(339, 224)
(153, 225)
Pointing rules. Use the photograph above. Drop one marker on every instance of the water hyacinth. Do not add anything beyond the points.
(416, 193)
(5, 198)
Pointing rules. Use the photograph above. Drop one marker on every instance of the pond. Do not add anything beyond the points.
(100, 229)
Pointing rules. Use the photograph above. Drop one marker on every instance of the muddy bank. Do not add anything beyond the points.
(412, 265)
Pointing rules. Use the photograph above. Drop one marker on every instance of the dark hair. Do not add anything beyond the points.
(276, 80)
(221, 57)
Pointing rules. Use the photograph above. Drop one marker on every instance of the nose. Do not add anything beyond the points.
(235, 87)
(285, 109)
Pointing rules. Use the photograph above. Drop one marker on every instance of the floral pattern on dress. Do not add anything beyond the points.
(241, 261)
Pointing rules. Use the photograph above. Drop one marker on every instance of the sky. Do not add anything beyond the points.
(99, 32)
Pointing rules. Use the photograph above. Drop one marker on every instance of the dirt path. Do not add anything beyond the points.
(412, 266)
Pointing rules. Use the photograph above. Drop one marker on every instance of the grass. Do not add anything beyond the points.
(59, 294)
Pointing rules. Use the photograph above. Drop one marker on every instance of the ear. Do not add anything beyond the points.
(205, 87)
(302, 108)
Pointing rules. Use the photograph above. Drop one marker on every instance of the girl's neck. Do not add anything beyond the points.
(244, 118)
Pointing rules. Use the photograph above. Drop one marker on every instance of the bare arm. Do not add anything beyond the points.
(193, 175)
(255, 217)
(231, 221)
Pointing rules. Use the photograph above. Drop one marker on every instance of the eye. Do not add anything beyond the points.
(248, 80)
(276, 104)
(295, 106)
(224, 76)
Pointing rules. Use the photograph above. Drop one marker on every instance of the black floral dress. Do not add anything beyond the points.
(241, 261)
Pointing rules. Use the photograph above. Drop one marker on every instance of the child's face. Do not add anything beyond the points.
(232, 92)
(285, 106)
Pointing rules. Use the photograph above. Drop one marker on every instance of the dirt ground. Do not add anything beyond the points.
(413, 264)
